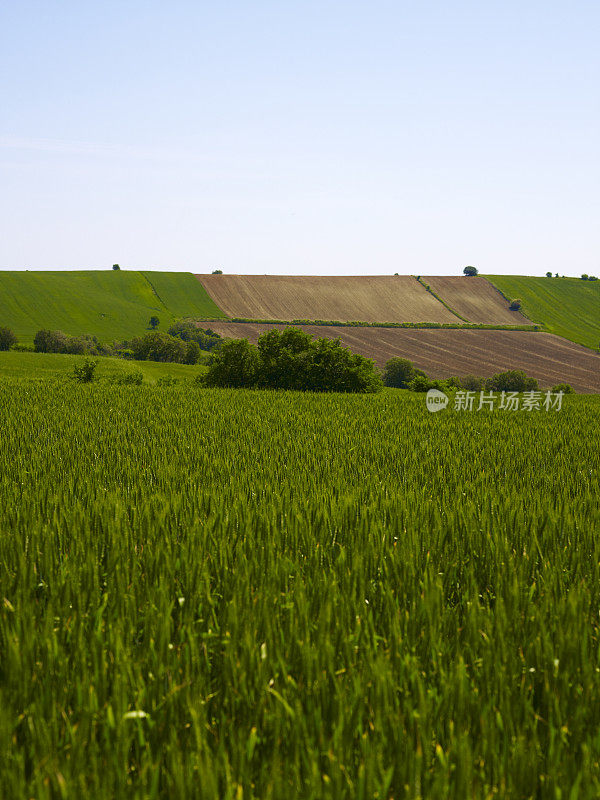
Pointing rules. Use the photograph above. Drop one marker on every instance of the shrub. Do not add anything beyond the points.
(188, 331)
(134, 378)
(514, 380)
(154, 322)
(217, 272)
(23, 348)
(116, 266)
(7, 338)
(565, 388)
(584, 277)
(84, 371)
(472, 383)
(454, 382)
(420, 383)
(470, 271)
(398, 373)
(548, 274)
(592, 278)
(515, 305)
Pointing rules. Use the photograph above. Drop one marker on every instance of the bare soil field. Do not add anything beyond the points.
(366, 299)
(475, 299)
(441, 353)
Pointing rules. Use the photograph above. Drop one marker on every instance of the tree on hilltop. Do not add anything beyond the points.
(470, 272)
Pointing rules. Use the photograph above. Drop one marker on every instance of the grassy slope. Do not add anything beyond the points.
(568, 307)
(183, 294)
(110, 305)
(56, 365)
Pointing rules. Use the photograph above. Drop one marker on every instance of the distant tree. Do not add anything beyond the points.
(472, 383)
(7, 338)
(515, 380)
(217, 272)
(154, 322)
(565, 388)
(470, 271)
(548, 274)
(188, 331)
(515, 305)
(192, 353)
(584, 277)
(398, 373)
(116, 266)
(46, 341)
(157, 346)
(234, 365)
(592, 278)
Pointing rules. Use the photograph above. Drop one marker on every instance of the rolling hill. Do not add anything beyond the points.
(568, 307)
(475, 300)
(368, 299)
(110, 305)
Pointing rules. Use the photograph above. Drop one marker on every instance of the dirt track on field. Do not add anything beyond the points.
(476, 300)
(441, 353)
(367, 299)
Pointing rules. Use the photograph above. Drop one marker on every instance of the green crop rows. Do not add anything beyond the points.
(226, 594)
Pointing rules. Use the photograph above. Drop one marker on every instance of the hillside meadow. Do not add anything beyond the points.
(244, 594)
(104, 303)
(44, 366)
(568, 307)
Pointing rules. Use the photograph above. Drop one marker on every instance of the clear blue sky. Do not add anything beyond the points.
(301, 137)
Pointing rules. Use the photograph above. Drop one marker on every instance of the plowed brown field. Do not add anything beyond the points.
(441, 353)
(475, 299)
(367, 299)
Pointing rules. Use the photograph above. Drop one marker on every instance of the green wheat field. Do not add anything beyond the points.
(236, 594)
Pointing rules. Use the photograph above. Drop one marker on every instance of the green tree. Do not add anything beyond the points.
(234, 365)
(217, 272)
(398, 373)
(192, 353)
(470, 271)
(154, 322)
(7, 338)
(116, 266)
(514, 380)
(548, 274)
(157, 346)
(515, 305)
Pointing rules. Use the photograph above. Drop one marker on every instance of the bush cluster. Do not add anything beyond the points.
(164, 347)
(401, 373)
(46, 341)
(188, 331)
(292, 359)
